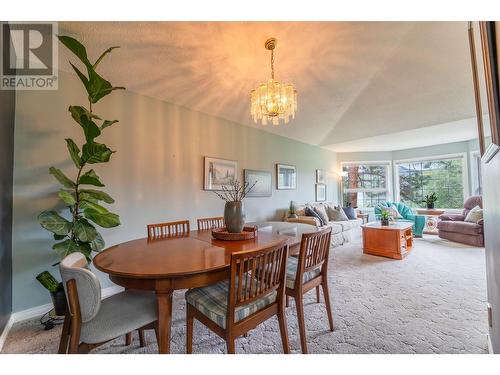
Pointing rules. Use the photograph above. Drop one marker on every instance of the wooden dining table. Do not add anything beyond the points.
(183, 262)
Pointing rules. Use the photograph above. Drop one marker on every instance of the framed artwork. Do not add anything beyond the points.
(483, 46)
(286, 177)
(320, 192)
(263, 182)
(219, 172)
(320, 176)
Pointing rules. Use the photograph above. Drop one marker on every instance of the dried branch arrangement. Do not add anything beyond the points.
(236, 191)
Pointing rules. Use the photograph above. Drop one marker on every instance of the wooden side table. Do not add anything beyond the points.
(431, 219)
(363, 216)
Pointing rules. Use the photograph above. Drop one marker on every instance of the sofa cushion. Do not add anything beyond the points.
(349, 211)
(474, 215)
(464, 227)
(336, 227)
(320, 210)
(310, 212)
(336, 214)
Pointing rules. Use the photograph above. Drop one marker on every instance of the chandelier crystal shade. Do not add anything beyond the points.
(273, 102)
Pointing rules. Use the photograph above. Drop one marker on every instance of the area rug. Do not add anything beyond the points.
(434, 301)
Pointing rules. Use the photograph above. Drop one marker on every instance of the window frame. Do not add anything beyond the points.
(476, 162)
(465, 173)
(389, 179)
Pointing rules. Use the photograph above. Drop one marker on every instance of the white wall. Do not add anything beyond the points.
(156, 174)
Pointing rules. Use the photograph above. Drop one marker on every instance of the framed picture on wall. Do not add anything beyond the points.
(320, 176)
(286, 177)
(320, 192)
(262, 180)
(218, 173)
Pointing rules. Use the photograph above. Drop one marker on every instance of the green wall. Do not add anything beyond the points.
(156, 175)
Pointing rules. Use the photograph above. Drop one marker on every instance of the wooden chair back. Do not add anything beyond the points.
(171, 229)
(314, 252)
(256, 273)
(208, 223)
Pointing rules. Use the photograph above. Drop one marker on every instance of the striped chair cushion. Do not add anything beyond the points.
(291, 273)
(212, 302)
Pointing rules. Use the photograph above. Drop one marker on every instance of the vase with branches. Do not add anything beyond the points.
(234, 210)
(76, 231)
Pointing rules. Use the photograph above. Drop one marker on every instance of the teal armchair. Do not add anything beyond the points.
(407, 214)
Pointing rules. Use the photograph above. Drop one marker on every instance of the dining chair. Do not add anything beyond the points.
(90, 321)
(308, 271)
(165, 230)
(210, 222)
(254, 293)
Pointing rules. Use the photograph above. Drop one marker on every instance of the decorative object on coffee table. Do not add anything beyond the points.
(320, 192)
(291, 211)
(392, 241)
(219, 173)
(384, 217)
(247, 233)
(429, 200)
(286, 177)
(262, 180)
(234, 210)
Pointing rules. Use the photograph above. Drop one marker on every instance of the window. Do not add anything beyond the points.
(442, 175)
(365, 184)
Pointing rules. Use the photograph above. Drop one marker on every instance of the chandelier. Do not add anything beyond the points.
(273, 101)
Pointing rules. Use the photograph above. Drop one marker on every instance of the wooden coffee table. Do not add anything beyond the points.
(393, 241)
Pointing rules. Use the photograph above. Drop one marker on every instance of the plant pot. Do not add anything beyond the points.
(384, 222)
(430, 206)
(59, 302)
(234, 216)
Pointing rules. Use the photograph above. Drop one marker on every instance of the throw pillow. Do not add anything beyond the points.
(474, 215)
(310, 212)
(349, 211)
(396, 214)
(337, 214)
(320, 210)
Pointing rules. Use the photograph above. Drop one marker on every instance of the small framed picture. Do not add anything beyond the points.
(286, 177)
(262, 180)
(219, 172)
(320, 176)
(320, 192)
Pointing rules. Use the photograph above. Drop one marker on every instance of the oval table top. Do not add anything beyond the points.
(196, 252)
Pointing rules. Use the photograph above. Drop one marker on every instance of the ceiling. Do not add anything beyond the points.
(356, 81)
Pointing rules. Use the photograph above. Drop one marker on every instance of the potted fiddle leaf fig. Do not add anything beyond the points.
(75, 231)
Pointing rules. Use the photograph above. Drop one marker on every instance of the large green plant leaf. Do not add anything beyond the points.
(76, 47)
(82, 116)
(84, 204)
(104, 54)
(105, 220)
(67, 197)
(98, 243)
(94, 153)
(84, 231)
(61, 177)
(85, 194)
(74, 152)
(65, 248)
(107, 123)
(90, 178)
(54, 223)
(98, 86)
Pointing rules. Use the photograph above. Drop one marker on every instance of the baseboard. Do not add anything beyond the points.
(5, 332)
(38, 311)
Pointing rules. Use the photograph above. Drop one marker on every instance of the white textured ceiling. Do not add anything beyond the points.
(355, 80)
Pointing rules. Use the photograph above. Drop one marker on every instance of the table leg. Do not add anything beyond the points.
(164, 303)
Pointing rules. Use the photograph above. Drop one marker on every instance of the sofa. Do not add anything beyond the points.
(453, 227)
(407, 215)
(342, 231)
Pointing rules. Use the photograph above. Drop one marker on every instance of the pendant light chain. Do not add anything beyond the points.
(272, 63)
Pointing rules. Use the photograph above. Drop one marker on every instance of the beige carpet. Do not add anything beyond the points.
(434, 301)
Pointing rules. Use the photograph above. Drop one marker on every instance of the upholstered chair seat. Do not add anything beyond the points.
(91, 321)
(291, 273)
